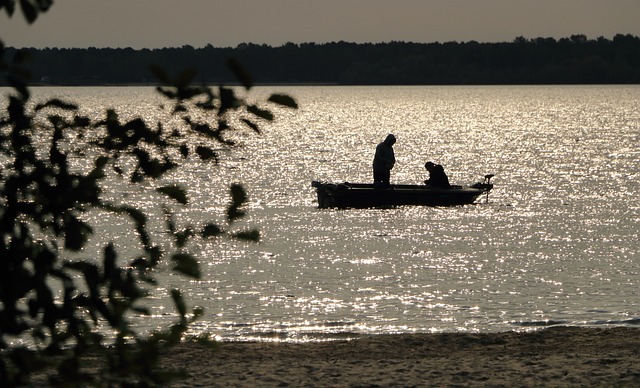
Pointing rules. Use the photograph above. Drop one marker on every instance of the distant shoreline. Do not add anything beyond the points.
(540, 61)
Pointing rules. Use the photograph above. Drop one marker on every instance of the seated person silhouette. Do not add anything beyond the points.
(437, 176)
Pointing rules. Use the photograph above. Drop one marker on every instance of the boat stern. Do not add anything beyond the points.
(325, 192)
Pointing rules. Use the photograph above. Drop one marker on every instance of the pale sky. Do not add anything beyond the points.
(227, 23)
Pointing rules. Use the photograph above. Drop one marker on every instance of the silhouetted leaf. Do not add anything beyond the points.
(175, 192)
(251, 125)
(184, 151)
(238, 194)
(98, 170)
(198, 312)
(141, 310)
(161, 75)
(167, 92)
(183, 237)
(233, 213)
(44, 5)
(76, 233)
(149, 166)
(185, 78)
(171, 225)
(206, 153)
(176, 295)
(240, 73)
(9, 5)
(140, 222)
(30, 12)
(186, 264)
(75, 265)
(155, 254)
(262, 113)
(20, 85)
(284, 100)
(22, 56)
(211, 230)
(204, 129)
(249, 235)
(228, 100)
(110, 256)
(137, 176)
(57, 103)
(238, 198)
(81, 121)
(136, 215)
(180, 108)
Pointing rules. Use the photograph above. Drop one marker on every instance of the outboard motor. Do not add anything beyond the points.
(485, 186)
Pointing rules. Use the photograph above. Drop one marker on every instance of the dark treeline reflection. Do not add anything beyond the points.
(573, 60)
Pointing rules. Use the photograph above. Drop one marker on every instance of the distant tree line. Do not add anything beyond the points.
(573, 60)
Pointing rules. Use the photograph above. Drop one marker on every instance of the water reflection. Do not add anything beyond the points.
(556, 244)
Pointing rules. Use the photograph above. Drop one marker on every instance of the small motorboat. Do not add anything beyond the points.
(366, 195)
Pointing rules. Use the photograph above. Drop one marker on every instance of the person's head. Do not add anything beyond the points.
(391, 139)
(429, 166)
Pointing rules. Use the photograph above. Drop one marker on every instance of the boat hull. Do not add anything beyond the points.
(363, 195)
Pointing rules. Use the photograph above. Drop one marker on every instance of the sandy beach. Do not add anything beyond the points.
(553, 357)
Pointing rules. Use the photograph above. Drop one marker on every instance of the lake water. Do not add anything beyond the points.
(557, 242)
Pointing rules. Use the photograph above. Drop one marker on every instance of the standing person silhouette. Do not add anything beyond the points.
(383, 162)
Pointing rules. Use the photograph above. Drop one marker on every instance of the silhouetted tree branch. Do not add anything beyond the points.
(62, 305)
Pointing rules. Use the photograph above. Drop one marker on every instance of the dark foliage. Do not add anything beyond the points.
(59, 304)
(573, 60)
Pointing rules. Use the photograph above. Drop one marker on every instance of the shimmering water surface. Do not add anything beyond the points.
(557, 243)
